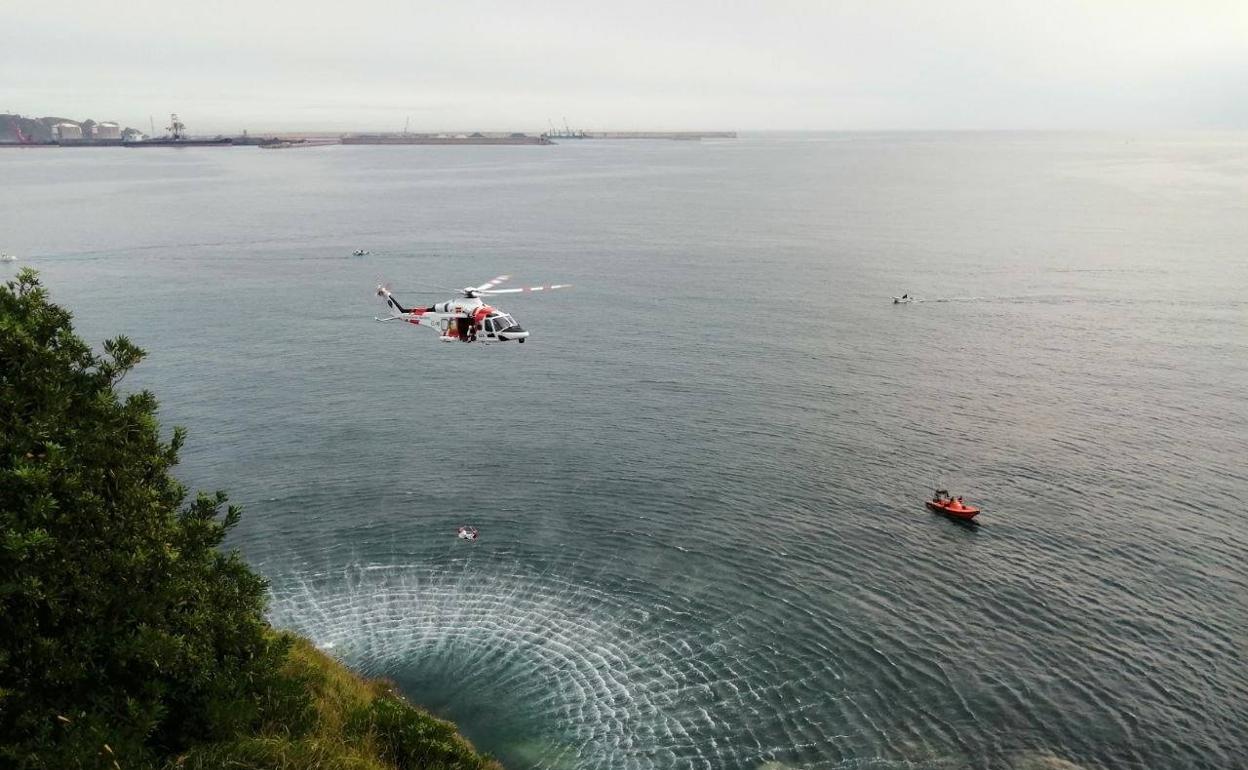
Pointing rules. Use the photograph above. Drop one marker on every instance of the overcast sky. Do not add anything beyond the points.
(629, 64)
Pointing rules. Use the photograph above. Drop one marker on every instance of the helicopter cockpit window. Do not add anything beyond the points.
(505, 322)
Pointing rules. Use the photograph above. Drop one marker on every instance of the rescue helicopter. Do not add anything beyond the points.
(467, 318)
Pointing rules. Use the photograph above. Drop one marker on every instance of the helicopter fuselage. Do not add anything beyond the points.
(468, 319)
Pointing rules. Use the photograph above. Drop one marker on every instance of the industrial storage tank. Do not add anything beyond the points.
(65, 131)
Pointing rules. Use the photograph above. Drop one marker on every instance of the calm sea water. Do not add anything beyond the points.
(699, 483)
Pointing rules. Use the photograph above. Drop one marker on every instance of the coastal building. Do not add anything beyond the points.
(107, 131)
(64, 131)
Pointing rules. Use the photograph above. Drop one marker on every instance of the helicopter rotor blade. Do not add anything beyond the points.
(490, 283)
(551, 287)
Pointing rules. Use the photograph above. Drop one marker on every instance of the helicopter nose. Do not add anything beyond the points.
(514, 333)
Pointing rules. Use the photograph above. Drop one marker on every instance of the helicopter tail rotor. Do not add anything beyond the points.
(383, 291)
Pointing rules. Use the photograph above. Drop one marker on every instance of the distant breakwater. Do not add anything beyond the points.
(387, 139)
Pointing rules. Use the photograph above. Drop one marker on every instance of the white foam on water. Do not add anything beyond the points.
(617, 680)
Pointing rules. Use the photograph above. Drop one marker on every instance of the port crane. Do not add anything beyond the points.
(566, 132)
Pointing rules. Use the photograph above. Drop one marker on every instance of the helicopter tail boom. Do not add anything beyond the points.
(384, 292)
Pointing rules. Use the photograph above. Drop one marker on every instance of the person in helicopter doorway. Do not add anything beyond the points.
(464, 326)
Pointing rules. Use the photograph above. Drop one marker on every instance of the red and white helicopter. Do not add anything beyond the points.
(467, 319)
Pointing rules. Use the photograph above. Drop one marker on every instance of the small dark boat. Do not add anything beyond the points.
(942, 502)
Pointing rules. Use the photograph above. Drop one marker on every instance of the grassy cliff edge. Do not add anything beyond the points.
(330, 717)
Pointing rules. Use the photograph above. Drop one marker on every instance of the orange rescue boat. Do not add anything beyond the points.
(942, 502)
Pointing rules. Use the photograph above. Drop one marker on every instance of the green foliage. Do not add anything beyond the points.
(128, 639)
(266, 753)
(409, 744)
(320, 715)
(127, 634)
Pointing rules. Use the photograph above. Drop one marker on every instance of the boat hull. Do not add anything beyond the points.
(961, 512)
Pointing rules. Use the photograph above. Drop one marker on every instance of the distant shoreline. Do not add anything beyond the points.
(317, 139)
(440, 140)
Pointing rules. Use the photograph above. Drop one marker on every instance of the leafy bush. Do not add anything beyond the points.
(126, 633)
(128, 639)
